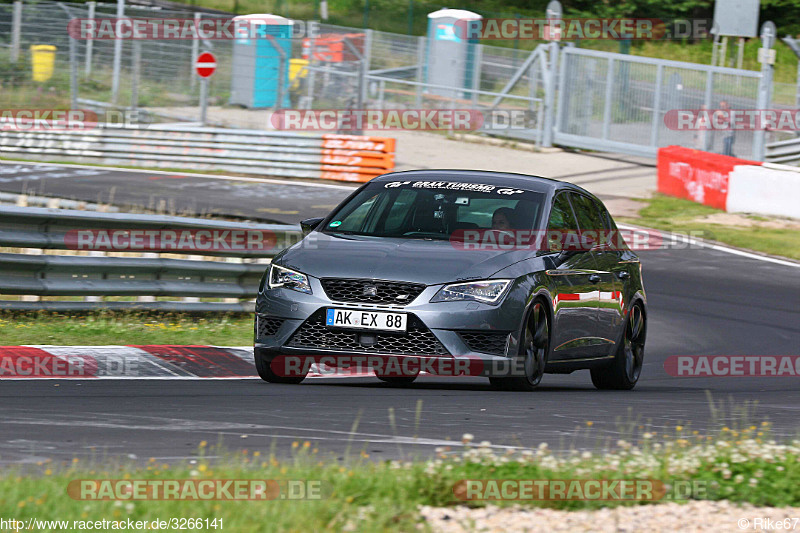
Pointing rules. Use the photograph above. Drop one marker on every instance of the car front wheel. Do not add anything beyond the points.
(265, 371)
(624, 372)
(533, 353)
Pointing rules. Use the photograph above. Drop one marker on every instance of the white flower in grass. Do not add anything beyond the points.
(753, 482)
(738, 479)
(779, 469)
(586, 455)
(466, 438)
(647, 435)
(726, 474)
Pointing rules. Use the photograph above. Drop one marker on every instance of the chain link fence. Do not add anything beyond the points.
(604, 101)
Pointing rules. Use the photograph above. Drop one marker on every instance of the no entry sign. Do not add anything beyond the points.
(205, 65)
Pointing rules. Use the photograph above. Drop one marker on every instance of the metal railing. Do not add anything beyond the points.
(300, 155)
(149, 276)
(786, 152)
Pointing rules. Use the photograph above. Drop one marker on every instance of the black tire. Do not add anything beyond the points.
(624, 372)
(533, 354)
(397, 380)
(266, 373)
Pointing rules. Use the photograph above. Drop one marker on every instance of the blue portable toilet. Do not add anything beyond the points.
(260, 71)
(450, 57)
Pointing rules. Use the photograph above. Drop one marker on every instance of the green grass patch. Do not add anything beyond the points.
(740, 464)
(104, 328)
(683, 216)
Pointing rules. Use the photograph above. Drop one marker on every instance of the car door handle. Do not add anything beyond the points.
(622, 274)
(594, 278)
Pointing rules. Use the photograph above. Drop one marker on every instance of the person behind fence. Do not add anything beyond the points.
(727, 140)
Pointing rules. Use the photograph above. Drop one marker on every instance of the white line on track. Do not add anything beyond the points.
(189, 175)
(713, 246)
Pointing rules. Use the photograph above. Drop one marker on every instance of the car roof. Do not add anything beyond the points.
(502, 179)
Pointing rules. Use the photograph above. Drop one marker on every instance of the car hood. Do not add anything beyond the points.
(414, 260)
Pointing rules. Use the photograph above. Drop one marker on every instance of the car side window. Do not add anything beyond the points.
(561, 215)
(587, 213)
(562, 220)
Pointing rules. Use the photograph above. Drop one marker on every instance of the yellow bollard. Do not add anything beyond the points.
(297, 71)
(43, 58)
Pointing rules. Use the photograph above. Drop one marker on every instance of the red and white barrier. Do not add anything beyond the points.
(729, 183)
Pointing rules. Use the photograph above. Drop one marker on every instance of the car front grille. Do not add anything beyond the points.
(418, 340)
(485, 341)
(371, 291)
(267, 326)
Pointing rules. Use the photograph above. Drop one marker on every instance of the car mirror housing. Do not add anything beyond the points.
(310, 224)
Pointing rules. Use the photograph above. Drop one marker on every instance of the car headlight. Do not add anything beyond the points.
(486, 291)
(289, 279)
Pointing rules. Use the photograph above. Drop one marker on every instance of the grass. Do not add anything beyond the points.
(107, 328)
(683, 216)
(736, 464)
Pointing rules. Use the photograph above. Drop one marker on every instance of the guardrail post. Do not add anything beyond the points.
(16, 29)
(136, 60)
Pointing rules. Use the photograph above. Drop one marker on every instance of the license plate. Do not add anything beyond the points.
(351, 318)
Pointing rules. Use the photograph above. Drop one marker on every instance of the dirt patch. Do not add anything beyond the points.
(745, 221)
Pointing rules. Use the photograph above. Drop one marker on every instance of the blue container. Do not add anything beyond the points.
(257, 63)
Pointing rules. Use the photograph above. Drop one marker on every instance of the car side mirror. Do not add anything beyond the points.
(310, 224)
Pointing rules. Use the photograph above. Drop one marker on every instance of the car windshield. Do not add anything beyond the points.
(435, 210)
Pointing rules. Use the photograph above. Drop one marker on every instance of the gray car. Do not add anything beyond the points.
(514, 275)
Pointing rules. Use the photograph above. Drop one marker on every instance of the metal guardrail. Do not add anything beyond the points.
(302, 155)
(148, 277)
(786, 152)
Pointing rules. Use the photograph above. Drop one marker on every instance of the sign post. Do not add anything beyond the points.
(205, 65)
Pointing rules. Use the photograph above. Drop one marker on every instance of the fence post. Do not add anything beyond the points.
(117, 53)
(708, 143)
(421, 43)
(550, 95)
(73, 73)
(476, 74)
(195, 51)
(768, 35)
(311, 72)
(16, 28)
(365, 61)
(135, 71)
(607, 103)
(87, 69)
(657, 106)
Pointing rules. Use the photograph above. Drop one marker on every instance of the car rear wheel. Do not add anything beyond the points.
(533, 353)
(265, 372)
(624, 372)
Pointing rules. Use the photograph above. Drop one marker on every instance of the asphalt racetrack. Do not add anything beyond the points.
(702, 301)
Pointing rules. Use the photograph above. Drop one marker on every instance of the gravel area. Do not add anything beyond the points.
(692, 517)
